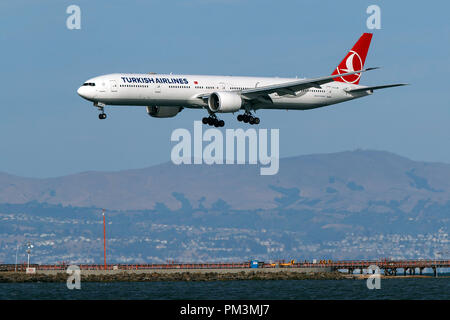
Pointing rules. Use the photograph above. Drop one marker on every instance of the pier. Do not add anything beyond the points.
(388, 267)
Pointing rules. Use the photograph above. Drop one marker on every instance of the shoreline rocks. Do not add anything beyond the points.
(19, 277)
(127, 276)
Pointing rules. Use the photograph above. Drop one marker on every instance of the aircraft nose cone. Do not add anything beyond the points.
(83, 92)
(80, 92)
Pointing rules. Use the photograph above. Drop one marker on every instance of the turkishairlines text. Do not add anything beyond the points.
(154, 80)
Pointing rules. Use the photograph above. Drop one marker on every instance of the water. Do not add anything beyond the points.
(429, 288)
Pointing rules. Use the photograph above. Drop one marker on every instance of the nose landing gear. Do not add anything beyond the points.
(101, 107)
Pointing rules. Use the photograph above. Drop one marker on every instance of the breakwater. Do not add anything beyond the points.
(162, 275)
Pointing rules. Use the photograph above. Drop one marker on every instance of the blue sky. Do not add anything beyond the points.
(47, 130)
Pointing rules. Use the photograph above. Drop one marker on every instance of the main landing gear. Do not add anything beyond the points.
(248, 118)
(213, 121)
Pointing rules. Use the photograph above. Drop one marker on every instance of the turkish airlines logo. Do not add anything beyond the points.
(353, 63)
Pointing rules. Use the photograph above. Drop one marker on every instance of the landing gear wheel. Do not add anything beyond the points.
(213, 121)
(247, 117)
(102, 116)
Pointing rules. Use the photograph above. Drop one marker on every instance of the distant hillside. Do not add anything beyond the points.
(351, 181)
(360, 204)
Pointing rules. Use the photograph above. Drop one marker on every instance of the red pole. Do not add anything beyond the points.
(104, 237)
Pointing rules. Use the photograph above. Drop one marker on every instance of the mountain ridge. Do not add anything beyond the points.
(347, 180)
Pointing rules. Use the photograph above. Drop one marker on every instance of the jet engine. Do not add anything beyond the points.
(224, 102)
(163, 112)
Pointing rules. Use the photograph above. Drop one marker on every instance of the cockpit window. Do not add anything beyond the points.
(92, 84)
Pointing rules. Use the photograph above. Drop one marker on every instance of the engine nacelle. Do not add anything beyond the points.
(224, 102)
(163, 112)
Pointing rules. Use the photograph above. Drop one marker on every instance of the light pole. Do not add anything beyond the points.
(17, 251)
(29, 247)
(104, 237)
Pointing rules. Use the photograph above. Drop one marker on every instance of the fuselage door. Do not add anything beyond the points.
(222, 86)
(102, 85)
(113, 85)
(158, 88)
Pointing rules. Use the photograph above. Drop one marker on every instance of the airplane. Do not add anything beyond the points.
(165, 95)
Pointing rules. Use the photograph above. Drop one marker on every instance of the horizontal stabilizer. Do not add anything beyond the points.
(362, 89)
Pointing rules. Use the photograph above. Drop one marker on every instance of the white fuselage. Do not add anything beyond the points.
(184, 91)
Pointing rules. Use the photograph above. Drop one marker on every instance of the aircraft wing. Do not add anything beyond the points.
(293, 86)
(376, 87)
(287, 87)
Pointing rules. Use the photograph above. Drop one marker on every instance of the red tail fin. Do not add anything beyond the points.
(354, 60)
